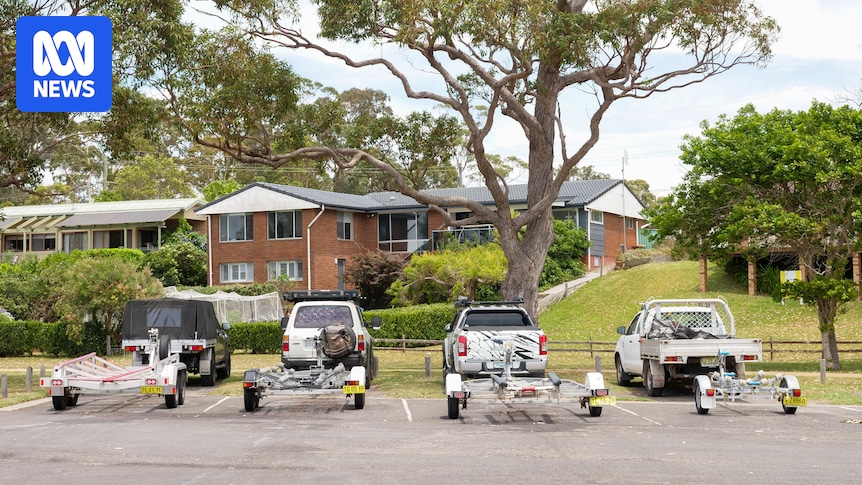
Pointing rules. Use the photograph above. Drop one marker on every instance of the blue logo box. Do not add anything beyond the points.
(63, 64)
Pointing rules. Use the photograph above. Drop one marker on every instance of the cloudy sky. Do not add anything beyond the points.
(818, 56)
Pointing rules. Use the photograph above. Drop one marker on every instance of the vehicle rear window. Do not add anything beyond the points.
(497, 319)
(321, 316)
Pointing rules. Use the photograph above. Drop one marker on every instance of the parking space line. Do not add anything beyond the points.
(216, 404)
(850, 409)
(637, 415)
(407, 410)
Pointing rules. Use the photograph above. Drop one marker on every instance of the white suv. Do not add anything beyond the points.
(312, 313)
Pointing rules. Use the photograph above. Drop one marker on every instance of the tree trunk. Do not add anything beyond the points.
(827, 311)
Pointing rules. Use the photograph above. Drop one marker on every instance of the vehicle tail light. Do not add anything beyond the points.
(543, 345)
(749, 357)
(131, 348)
(796, 392)
(361, 342)
(710, 392)
(197, 348)
(673, 359)
(248, 384)
(462, 346)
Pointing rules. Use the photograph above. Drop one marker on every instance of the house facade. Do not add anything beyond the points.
(267, 232)
(44, 229)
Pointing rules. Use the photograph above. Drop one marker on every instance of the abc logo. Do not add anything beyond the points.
(63, 64)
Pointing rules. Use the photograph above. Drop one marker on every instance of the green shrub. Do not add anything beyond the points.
(425, 322)
(257, 338)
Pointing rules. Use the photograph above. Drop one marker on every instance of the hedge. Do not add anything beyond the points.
(423, 322)
(257, 338)
(19, 338)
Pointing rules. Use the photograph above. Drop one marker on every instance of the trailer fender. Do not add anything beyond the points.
(453, 384)
(701, 386)
(791, 382)
(357, 373)
(594, 380)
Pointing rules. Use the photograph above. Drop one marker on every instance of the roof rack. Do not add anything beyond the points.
(463, 303)
(312, 295)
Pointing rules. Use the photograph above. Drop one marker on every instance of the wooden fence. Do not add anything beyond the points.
(770, 347)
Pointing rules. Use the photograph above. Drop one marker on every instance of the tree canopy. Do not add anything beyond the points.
(517, 61)
(764, 182)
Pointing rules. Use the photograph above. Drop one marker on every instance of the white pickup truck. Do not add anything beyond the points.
(474, 343)
(679, 340)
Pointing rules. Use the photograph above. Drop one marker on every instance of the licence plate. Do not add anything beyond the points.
(353, 389)
(151, 389)
(795, 401)
(603, 401)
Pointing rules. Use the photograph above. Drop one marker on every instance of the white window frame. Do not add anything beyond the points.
(225, 228)
(344, 230)
(236, 272)
(630, 223)
(597, 217)
(276, 269)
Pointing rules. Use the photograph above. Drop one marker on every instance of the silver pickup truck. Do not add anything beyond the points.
(474, 343)
(680, 339)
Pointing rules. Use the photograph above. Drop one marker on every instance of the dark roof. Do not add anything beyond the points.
(117, 218)
(574, 193)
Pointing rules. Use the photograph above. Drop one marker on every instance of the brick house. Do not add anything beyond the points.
(267, 231)
(46, 229)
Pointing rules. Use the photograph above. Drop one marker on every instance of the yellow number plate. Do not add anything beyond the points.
(353, 389)
(603, 401)
(151, 389)
(795, 401)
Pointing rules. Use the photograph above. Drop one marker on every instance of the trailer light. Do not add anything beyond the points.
(150, 381)
(197, 348)
(352, 383)
(361, 342)
(796, 392)
(749, 357)
(710, 392)
(462, 346)
(131, 348)
(543, 345)
(56, 382)
(602, 392)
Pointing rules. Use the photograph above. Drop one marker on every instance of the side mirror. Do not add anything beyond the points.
(225, 326)
(284, 323)
(375, 323)
(621, 330)
(448, 327)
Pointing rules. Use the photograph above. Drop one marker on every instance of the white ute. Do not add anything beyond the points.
(678, 340)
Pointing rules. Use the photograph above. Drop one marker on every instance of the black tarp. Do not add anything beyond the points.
(181, 319)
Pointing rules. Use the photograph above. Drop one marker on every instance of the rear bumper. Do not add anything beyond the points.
(301, 364)
(519, 368)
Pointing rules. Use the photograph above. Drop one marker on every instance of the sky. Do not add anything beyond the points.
(818, 57)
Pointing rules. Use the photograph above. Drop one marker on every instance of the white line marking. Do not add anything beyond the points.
(407, 410)
(216, 404)
(638, 415)
(849, 409)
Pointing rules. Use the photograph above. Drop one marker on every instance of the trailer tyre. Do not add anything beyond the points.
(787, 409)
(59, 402)
(697, 398)
(164, 346)
(454, 406)
(623, 378)
(359, 400)
(250, 399)
(182, 382)
(72, 400)
(651, 391)
(595, 411)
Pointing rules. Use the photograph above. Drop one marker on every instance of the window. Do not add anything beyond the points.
(14, 242)
(44, 242)
(74, 240)
(597, 216)
(407, 232)
(284, 225)
(235, 227)
(630, 223)
(292, 270)
(345, 225)
(108, 239)
(236, 272)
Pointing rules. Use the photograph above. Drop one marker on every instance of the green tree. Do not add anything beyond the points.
(148, 178)
(587, 172)
(372, 273)
(178, 263)
(517, 61)
(565, 257)
(777, 180)
(640, 188)
(97, 289)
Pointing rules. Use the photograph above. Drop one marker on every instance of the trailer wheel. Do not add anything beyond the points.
(164, 347)
(651, 391)
(595, 411)
(359, 401)
(623, 378)
(171, 400)
(787, 409)
(182, 381)
(72, 400)
(454, 405)
(250, 399)
(697, 398)
(59, 402)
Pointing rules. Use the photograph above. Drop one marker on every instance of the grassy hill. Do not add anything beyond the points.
(604, 304)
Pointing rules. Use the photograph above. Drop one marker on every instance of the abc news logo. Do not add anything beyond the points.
(63, 64)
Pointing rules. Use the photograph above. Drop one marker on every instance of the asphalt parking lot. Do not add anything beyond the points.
(212, 439)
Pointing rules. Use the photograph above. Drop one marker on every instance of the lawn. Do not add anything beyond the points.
(592, 312)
